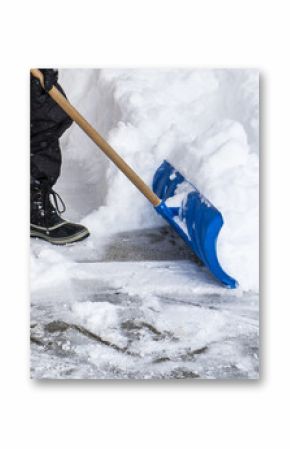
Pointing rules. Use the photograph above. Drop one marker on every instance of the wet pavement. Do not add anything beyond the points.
(143, 308)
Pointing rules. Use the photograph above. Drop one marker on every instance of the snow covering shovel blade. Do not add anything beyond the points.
(192, 216)
(195, 220)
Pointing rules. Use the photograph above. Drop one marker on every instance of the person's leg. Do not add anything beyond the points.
(47, 124)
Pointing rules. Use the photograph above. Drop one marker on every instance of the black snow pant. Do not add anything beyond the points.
(47, 123)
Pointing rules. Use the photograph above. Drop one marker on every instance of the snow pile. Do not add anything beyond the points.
(204, 122)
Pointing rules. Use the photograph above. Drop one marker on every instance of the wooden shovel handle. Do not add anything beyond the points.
(99, 140)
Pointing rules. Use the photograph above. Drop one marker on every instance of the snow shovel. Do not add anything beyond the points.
(179, 202)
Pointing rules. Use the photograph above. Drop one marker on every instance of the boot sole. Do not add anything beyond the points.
(61, 241)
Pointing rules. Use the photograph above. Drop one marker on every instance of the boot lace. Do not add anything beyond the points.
(49, 202)
(56, 198)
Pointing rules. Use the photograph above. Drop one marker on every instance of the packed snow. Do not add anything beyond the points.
(204, 122)
(130, 302)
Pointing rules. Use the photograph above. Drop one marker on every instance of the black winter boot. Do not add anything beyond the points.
(45, 220)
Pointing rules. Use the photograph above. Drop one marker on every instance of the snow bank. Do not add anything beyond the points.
(204, 122)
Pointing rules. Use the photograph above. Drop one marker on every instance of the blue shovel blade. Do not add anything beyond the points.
(195, 219)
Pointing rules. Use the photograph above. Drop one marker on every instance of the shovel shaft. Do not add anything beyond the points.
(99, 140)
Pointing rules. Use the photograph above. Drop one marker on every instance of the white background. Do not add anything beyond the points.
(200, 414)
